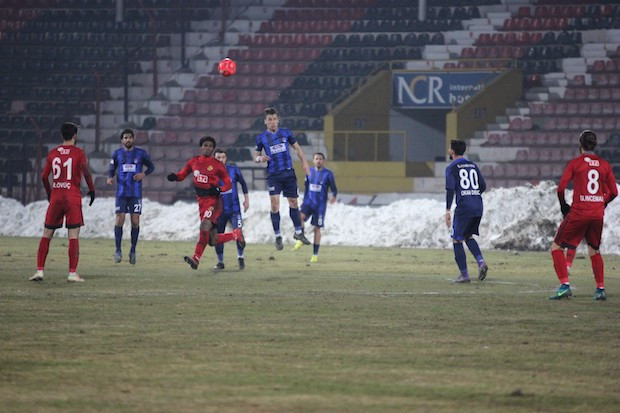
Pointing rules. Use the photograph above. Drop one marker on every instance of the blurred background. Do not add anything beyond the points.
(379, 86)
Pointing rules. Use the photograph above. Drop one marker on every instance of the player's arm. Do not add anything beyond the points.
(612, 189)
(481, 182)
(567, 176)
(112, 169)
(333, 188)
(302, 157)
(146, 161)
(88, 177)
(45, 178)
(224, 178)
(244, 189)
(258, 152)
(306, 186)
(182, 174)
(450, 189)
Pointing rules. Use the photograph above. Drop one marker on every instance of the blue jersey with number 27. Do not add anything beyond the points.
(464, 178)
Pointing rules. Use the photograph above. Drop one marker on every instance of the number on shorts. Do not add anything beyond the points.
(137, 208)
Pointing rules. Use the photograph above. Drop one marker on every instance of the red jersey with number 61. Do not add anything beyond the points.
(594, 185)
(66, 163)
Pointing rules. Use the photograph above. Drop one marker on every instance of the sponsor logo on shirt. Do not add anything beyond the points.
(316, 187)
(64, 151)
(129, 167)
(277, 148)
(200, 178)
(592, 162)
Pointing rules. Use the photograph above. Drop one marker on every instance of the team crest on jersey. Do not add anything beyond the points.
(64, 151)
(209, 168)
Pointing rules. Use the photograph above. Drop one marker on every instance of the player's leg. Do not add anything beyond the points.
(569, 234)
(44, 246)
(316, 244)
(570, 257)
(135, 231)
(474, 248)
(237, 221)
(219, 247)
(121, 210)
(304, 214)
(459, 233)
(275, 189)
(74, 254)
(593, 238)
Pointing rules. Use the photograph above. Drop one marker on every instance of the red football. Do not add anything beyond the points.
(227, 67)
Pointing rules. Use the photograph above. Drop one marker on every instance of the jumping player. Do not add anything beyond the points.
(317, 183)
(464, 178)
(68, 163)
(594, 186)
(129, 160)
(231, 209)
(207, 172)
(281, 177)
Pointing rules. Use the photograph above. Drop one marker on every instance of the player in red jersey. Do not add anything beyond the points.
(67, 163)
(594, 186)
(207, 172)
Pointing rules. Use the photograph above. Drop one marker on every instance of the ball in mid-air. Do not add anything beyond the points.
(227, 67)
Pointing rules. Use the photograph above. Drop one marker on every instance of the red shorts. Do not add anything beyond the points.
(572, 230)
(61, 208)
(210, 208)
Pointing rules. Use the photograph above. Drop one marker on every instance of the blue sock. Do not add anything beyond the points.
(459, 256)
(239, 251)
(219, 250)
(315, 248)
(294, 213)
(475, 250)
(134, 238)
(118, 236)
(275, 221)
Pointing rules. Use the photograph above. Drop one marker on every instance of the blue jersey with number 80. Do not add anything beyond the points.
(464, 178)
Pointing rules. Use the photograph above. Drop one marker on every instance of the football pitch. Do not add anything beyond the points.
(362, 330)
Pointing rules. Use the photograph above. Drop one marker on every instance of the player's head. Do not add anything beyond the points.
(207, 145)
(587, 140)
(318, 159)
(127, 138)
(68, 130)
(271, 119)
(220, 155)
(457, 148)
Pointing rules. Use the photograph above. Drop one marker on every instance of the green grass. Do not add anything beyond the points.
(365, 329)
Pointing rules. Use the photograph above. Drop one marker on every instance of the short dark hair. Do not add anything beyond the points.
(219, 150)
(130, 131)
(587, 140)
(319, 153)
(68, 130)
(206, 138)
(458, 146)
(270, 111)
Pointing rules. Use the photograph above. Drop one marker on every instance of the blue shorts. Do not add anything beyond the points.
(234, 217)
(128, 205)
(318, 217)
(283, 182)
(464, 227)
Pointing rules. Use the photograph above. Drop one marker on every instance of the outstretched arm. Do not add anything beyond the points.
(302, 157)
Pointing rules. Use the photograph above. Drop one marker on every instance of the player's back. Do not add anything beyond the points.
(66, 163)
(592, 177)
(464, 177)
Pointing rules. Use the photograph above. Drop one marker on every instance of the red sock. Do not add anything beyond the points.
(44, 247)
(599, 270)
(203, 241)
(559, 263)
(225, 237)
(570, 256)
(74, 254)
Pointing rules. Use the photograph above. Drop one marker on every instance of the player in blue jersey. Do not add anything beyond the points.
(316, 197)
(128, 162)
(464, 179)
(281, 179)
(231, 210)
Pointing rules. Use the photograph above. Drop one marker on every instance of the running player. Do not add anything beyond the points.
(464, 178)
(594, 186)
(207, 172)
(281, 177)
(231, 211)
(317, 183)
(68, 163)
(129, 160)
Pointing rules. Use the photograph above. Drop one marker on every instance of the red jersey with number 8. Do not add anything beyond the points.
(66, 163)
(593, 185)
